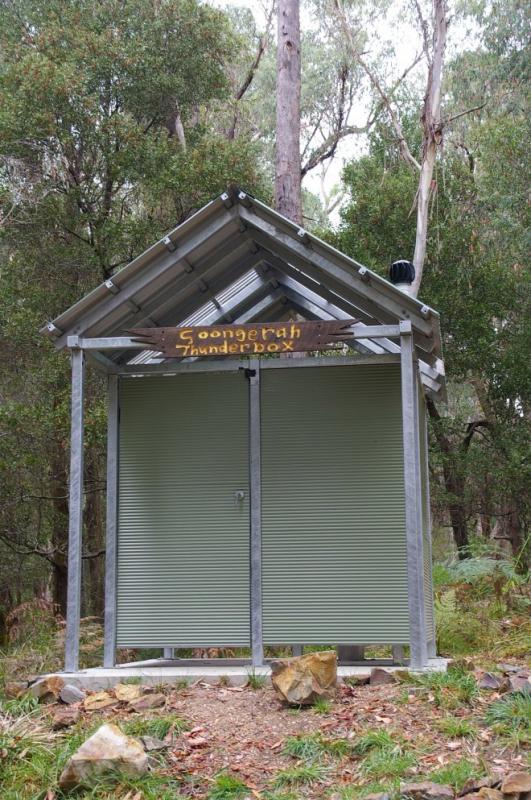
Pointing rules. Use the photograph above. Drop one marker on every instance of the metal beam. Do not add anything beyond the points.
(424, 443)
(356, 291)
(389, 304)
(255, 478)
(75, 525)
(109, 650)
(168, 266)
(412, 488)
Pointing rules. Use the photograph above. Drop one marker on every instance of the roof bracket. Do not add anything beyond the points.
(226, 200)
(303, 236)
(187, 266)
(244, 199)
(364, 274)
(53, 330)
(169, 244)
(112, 287)
(425, 311)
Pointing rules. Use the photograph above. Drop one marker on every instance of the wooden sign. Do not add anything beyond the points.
(258, 338)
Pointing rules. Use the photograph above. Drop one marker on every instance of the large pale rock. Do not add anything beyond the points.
(106, 752)
(517, 782)
(98, 700)
(127, 692)
(47, 690)
(301, 680)
(149, 701)
(426, 790)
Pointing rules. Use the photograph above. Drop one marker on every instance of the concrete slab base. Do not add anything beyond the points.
(154, 673)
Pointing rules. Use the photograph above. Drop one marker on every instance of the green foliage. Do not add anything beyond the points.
(510, 713)
(379, 740)
(457, 773)
(322, 705)
(450, 689)
(314, 746)
(255, 680)
(387, 764)
(299, 776)
(227, 787)
(158, 727)
(456, 727)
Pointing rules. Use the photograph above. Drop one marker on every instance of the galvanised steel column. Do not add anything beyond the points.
(75, 525)
(109, 649)
(413, 494)
(255, 480)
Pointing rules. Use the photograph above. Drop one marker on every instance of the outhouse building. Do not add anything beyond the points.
(267, 468)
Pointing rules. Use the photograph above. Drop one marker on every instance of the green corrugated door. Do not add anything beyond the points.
(333, 525)
(183, 536)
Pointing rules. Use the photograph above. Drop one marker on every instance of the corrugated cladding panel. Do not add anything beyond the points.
(333, 517)
(426, 523)
(183, 538)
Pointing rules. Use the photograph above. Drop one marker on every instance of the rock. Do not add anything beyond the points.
(516, 783)
(127, 692)
(149, 701)
(490, 681)
(508, 667)
(98, 700)
(47, 690)
(520, 682)
(377, 796)
(487, 793)
(64, 718)
(381, 677)
(105, 753)
(152, 743)
(71, 694)
(301, 680)
(474, 785)
(14, 689)
(426, 790)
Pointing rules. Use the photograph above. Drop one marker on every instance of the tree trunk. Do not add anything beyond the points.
(432, 127)
(454, 483)
(288, 159)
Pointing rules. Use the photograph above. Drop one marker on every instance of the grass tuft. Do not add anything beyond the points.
(450, 689)
(158, 727)
(456, 727)
(227, 787)
(322, 705)
(256, 681)
(297, 776)
(387, 764)
(457, 774)
(374, 740)
(313, 746)
(512, 712)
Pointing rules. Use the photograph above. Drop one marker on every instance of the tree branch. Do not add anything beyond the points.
(402, 143)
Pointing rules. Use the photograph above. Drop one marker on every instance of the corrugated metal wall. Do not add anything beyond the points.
(426, 517)
(333, 520)
(183, 538)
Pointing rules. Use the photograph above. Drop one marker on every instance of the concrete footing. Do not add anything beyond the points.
(167, 672)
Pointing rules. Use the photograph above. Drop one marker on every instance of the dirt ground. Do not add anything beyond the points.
(243, 731)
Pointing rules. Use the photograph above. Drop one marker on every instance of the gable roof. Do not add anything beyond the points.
(237, 260)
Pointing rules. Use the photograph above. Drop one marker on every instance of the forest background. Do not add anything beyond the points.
(120, 118)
